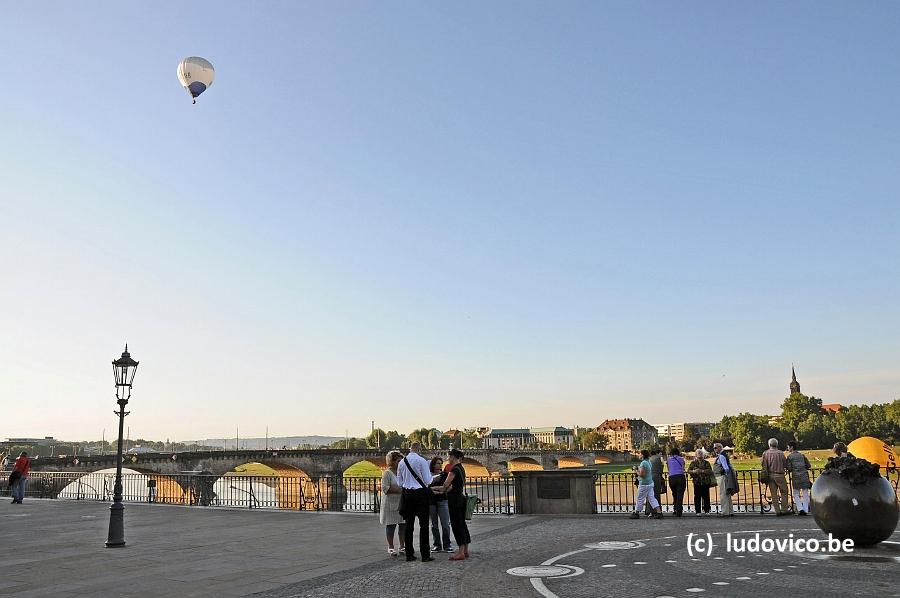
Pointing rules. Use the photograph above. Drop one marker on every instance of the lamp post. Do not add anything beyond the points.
(123, 370)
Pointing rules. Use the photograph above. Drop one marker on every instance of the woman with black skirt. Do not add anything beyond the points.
(456, 501)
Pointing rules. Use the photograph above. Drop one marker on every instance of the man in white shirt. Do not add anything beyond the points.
(416, 499)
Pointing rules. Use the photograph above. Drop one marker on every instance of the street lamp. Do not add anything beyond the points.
(123, 370)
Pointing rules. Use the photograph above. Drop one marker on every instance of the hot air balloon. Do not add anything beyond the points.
(195, 74)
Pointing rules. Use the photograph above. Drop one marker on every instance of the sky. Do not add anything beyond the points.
(445, 214)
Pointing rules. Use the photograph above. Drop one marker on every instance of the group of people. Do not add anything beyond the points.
(413, 488)
(775, 466)
(18, 478)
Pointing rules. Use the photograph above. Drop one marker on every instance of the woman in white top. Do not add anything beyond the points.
(390, 503)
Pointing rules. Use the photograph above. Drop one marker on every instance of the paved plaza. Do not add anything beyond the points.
(55, 548)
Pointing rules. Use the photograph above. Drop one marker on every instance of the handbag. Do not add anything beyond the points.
(401, 506)
(471, 502)
(14, 477)
(732, 481)
(764, 477)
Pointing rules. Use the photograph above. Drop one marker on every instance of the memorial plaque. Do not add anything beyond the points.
(553, 488)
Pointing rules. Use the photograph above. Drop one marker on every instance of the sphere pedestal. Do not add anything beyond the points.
(861, 508)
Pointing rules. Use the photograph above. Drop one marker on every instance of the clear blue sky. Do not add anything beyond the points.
(445, 214)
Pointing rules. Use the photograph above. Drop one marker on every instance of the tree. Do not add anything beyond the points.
(392, 440)
(375, 437)
(814, 431)
(796, 409)
(349, 443)
(595, 440)
(429, 438)
(748, 433)
(469, 439)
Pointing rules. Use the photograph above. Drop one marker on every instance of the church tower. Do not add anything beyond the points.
(795, 386)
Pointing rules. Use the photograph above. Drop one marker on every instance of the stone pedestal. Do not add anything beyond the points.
(560, 492)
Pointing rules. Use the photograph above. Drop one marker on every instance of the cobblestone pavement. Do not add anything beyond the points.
(55, 548)
(614, 556)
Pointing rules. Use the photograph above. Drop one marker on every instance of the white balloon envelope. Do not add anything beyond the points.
(196, 75)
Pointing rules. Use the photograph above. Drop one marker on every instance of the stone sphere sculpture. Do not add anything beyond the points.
(850, 499)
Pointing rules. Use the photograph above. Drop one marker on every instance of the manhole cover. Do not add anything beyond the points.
(614, 545)
(546, 571)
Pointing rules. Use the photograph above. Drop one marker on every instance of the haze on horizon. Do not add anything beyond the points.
(445, 215)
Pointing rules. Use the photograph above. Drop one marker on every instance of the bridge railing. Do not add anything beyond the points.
(615, 492)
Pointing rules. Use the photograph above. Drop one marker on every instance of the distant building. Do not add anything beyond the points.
(510, 438)
(827, 407)
(794, 386)
(139, 450)
(627, 434)
(45, 441)
(683, 430)
(554, 435)
(506, 438)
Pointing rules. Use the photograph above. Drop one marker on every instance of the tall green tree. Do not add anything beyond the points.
(393, 440)
(796, 409)
(429, 438)
(469, 439)
(595, 440)
(375, 438)
(748, 433)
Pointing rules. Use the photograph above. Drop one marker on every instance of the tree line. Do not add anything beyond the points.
(430, 438)
(803, 420)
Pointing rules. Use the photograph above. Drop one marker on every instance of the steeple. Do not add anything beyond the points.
(795, 386)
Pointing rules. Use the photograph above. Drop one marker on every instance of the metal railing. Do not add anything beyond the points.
(615, 492)
(321, 493)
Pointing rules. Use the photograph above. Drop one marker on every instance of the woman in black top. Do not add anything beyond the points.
(456, 500)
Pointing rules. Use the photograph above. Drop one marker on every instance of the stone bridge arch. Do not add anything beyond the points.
(283, 484)
(569, 461)
(524, 464)
(375, 466)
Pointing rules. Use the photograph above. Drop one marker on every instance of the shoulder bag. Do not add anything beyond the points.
(432, 499)
(764, 476)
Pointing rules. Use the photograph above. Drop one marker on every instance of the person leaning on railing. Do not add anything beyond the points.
(677, 481)
(773, 465)
(703, 479)
(724, 479)
(799, 467)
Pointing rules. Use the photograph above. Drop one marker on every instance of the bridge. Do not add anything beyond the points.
(326, 462)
